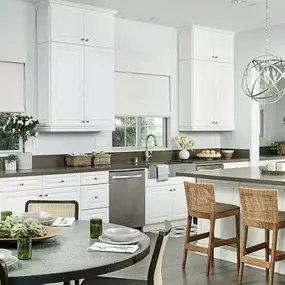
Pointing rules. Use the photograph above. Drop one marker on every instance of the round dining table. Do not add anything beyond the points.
(65, 258)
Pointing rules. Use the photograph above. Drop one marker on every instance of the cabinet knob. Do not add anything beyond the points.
(87, 40)
(96, 197)
(61, 181)
(174, 190)
(82, 122)
(46, 195)
(87, 122)
(170, 190)
(40, 195)
(216, 57)
(21, 184)
(95, 178)
(82, 39)
(213, 56)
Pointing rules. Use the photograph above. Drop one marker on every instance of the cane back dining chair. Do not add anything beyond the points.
(201, 204)
(3, 273)
(154, 273)
(56, 208)
(260, 210)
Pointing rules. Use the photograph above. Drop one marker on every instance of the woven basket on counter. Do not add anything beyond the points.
(78, 160)
(101, 159)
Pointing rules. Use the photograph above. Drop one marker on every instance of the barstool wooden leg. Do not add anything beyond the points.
(211, 245)
(187, 239)
(273, 255)
(237, 218)
(267, 234)
(243, 249)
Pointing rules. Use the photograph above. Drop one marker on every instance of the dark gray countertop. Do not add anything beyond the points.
(272, 157)
(245, 174)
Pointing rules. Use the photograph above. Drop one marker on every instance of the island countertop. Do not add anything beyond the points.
(245, 175)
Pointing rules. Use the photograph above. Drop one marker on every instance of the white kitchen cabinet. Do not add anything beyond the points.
(178, 204)
(61, 194)
(230, 165)
(206, 96)
(15, 201)
(102, 213)
(206, 44)
(75, 24)
(94, 196)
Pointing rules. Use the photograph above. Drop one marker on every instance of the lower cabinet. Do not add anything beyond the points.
(65, 193)
(102, 213)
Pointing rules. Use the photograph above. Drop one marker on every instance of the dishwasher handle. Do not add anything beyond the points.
(127, 176)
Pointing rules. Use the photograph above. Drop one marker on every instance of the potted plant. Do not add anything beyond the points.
(185, 145)
(10, 162)
(24, 127)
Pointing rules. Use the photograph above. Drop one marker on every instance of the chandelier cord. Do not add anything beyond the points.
(266, 28)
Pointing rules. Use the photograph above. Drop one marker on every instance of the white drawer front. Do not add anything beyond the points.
(102, 213)
(21, 183)
(58, 181)
(91, 178)
(94, 196)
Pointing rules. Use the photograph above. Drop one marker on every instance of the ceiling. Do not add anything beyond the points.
(222, 14)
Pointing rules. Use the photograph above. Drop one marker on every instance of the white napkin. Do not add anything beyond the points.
(63, 222)
(100, 246)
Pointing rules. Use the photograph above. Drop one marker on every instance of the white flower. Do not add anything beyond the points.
(4, 128)
(13, 130)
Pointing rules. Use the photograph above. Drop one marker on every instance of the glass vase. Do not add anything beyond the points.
(24, 247)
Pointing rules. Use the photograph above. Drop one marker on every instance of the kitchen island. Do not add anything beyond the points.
(227, 183)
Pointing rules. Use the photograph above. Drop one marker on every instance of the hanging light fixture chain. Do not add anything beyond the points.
(266, 28)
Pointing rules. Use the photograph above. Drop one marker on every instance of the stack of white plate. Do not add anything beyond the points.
(8, 258)
(121, 236)
(43, 217)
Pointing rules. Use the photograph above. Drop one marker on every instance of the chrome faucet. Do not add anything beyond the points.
(147, 152)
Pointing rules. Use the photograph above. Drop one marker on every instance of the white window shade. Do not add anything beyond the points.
(142, 95)
(12, 86)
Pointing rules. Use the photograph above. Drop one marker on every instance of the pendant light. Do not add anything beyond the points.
(264, 77)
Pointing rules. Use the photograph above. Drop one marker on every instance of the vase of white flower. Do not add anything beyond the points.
(23, 127)
(185, 145)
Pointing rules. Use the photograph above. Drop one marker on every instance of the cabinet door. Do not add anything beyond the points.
(66, 193)
(15, 201)
(204, 95)
(223, 47)
(98, 29)
(203, 45)
(99, 88)
(94, 196)
(66, 24)
(102, 213)
(225, 96)
(157, 204)
(67, 85)
(178, 203)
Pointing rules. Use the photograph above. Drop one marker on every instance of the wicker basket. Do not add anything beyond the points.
(101, 159)
(78, 160)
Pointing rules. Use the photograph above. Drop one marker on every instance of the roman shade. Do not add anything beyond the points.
(142, 95)
(12, 87)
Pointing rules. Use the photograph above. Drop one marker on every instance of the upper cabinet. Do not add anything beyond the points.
(75, 25)
(206, 80)
(75, 68)
(203, 43)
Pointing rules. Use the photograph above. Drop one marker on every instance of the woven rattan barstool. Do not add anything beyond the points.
(260, 210)
(201, 204)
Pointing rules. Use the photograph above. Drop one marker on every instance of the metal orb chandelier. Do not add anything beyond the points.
(264, 77)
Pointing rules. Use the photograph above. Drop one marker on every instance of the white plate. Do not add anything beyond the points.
(13, 260)
(137, 239)
(5, 254)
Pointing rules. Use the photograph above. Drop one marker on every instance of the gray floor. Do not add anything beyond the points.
(222, 273)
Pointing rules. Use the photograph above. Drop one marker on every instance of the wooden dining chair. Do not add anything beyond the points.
(154, 273)
(260, 210)
(201, 204)
(56, 208)
(3, 273)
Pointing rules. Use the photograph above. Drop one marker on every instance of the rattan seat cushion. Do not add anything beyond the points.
(221, 207)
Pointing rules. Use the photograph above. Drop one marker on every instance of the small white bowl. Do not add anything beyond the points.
(5, 254)
(41, 216)
(121, 234)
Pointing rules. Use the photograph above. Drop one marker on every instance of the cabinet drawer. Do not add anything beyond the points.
(102, 213)
(58, 181)
(94, 196)
(91, 178)
(21, 183)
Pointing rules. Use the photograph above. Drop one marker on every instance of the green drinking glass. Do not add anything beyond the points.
(24, 247)
(95, 227)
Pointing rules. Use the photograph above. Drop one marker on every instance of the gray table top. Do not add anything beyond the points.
(66, 258)
(245, 175)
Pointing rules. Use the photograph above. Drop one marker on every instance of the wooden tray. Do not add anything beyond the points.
(50, 233)
(265, 171)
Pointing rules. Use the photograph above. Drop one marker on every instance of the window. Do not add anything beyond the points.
(131, 132)
(7, 142)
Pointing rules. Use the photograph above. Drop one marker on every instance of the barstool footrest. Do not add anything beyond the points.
(197, 248)
(221, 242)
(255, 248)
(199, 236)
(255, 261)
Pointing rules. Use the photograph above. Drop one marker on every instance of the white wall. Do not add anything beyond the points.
(139, 47)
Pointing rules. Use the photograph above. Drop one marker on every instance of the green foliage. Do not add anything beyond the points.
(276, 147)
(7, 141)
(11, 158)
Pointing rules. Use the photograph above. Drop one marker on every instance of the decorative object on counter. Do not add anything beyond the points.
(278, 147)
(24, 247)
(209, 154)
(185, 145)
(10, 162)
(78, 159)
(101, 158)
(95, 228)
(24, 127)
(264, 77)
(227, 153)
(274, 168)
(5, 214)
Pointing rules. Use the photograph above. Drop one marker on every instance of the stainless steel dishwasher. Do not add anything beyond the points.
(127, 198)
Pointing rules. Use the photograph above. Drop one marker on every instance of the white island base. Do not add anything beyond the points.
(228, 192)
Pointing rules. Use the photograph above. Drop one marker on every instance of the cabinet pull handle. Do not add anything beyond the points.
(170, 190)
(96, 197)
(95, 178)
(82, 122)
(82, 39)
(87, 40)
(61, 181)
(87, 122)
(46, 195)
(21, 184)
(174, 190)
(216, 57)
(40, 195)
